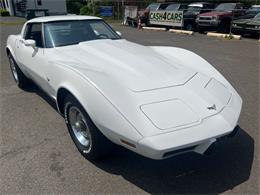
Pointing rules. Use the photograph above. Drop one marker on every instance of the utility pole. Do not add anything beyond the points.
(93, 6)
(123, 11)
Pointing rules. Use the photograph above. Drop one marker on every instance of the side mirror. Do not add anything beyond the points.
(119, 33)
(29, 43)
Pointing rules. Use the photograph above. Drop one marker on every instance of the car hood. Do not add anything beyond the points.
(254, 22)
(251, 21)
(241, 21)
(137, 67)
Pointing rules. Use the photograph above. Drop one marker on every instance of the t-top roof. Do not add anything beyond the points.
(62, 18)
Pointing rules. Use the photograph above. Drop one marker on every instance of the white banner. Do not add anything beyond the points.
(166, 18)
(131, 11)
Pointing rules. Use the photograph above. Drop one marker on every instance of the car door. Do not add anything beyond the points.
(33, 59)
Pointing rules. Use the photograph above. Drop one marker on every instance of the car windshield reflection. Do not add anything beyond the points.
(63, 33)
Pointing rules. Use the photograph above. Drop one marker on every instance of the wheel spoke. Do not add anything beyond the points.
(79, 126)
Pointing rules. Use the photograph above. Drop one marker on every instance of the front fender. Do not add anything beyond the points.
(103, 113)
(194, 61)
(11, 45)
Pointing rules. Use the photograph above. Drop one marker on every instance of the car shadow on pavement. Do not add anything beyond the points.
(33, 88)
(189, 173)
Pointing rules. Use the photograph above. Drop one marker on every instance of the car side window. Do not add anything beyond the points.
(208, 8)
(34, 32)
(183, 7)
(163, 6)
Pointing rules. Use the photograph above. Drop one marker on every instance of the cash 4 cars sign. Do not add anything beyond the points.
(167, 18)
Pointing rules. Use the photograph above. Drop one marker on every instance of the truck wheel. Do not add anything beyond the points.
(20, 79)
(200, 29)
(90, 142)
(189, 27)
(224, 26)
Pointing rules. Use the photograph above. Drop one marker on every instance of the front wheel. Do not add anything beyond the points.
(200, 29)
(189, 27)
(90, 142)
(224, 26)
(20, 79)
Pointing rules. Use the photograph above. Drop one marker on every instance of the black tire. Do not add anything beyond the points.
(21, 80)
(99, 145)
(189, 27)
(200, 29)
(224, 26)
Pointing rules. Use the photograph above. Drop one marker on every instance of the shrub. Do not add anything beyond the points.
(86, 10)
(74, 6)
(4, 12)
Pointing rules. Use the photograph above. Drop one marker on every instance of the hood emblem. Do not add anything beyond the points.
(213, 107)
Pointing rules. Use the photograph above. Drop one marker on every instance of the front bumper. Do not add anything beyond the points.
(244, 30)
(196, 138)
(208, 23)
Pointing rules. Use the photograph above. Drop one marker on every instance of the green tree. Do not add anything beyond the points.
(86, 10)
(73, 6)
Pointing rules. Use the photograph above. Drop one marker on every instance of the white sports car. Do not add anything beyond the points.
(155, 101)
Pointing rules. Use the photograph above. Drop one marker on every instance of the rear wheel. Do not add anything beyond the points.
(21, 80)
(90, 142)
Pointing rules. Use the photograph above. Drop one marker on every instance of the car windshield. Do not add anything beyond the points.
(173, 7)
(253, 10)
(63, 33)
(257, 16)
(153, 6)
(225, 7)
(194, 9)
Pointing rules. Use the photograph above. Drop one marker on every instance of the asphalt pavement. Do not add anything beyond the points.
(37, 154)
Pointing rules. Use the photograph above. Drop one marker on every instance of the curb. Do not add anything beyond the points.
(187, 32)
(221, 35)
(154, 28)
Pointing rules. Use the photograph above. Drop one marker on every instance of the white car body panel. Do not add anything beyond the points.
(160, 99)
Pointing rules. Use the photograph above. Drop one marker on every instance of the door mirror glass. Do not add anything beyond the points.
(29, 43)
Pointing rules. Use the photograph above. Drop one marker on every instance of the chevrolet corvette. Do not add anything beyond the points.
(154, 100)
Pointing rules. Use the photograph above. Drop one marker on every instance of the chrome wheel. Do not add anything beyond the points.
(80, 127)
(13, 69)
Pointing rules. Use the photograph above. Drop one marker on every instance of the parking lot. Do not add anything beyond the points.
(37, 154)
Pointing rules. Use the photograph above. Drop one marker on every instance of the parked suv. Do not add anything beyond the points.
(143, 15)
(193, 11)
(220, 19)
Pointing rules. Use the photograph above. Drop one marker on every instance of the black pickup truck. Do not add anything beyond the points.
(193, 11)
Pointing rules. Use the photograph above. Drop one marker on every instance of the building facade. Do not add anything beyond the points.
(19, 7)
